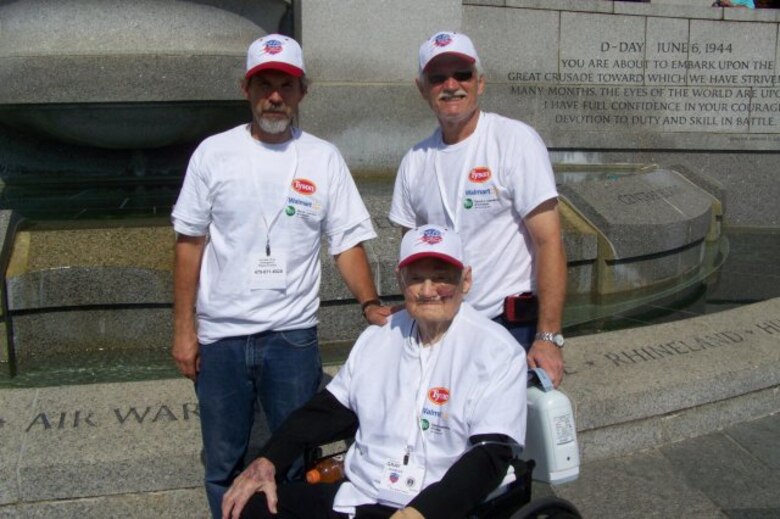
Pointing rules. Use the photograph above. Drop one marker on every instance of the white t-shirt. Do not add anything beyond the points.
(235, 189)
(474, 382)
(482, 187)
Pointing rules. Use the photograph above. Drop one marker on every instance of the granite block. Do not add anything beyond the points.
(644, 213)
(600, 6)
(386, 252)
(84, 286)
(622, 37)
(668, 367)
(382, 252)
(667, 41)
(738, 61)
(341, 322)
(707, 418)
(747, 178)
(144, 125)
(110, 439)
(579, 236)
(658, 270)
(337, 49)
(123, 78)
(490, 3)
(372, 124)
(660, 10)
(77, 52)
(5, 353)
(83, 267)
(173, 503)
(708, 184)
(616, 439)
(15, 404)
(91, 329)
(532, 32)
(751, 15)
(148, 247)
(639, 486)
(8, 223)
(332, 286)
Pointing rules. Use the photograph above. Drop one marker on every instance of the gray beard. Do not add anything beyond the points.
(274, 126)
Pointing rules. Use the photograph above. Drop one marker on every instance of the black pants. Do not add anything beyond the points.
(300, 500)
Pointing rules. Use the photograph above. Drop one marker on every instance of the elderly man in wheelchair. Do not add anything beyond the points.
(435, 399)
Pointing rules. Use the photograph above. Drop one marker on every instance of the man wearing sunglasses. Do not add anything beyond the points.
(489, 178)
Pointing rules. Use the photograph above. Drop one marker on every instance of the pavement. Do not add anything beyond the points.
(732, 473)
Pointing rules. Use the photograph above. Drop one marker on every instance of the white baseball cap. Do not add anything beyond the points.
(447, 42)
(431, 241)
(275, 52)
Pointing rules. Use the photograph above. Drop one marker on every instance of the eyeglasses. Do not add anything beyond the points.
(460, 76)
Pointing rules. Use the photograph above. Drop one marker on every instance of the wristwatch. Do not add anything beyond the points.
(555, 338)
(370, 302)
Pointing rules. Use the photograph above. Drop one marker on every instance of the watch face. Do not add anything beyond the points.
(558, 340)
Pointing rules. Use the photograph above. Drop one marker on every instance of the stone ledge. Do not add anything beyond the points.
(626, 438)
(94, 440)
(189, 503)
(617, 378)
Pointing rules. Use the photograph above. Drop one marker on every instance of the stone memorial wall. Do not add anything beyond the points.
(615, 80)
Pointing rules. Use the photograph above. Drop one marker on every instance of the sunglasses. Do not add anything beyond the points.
(459, 76)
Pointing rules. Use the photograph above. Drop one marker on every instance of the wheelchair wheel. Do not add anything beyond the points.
(547, 508)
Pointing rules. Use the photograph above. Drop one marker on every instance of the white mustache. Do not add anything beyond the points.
(446, 96)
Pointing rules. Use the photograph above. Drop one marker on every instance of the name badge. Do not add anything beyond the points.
(400, 483)
(267, 272)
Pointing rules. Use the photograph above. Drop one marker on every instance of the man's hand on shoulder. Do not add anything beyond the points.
(377, 314)
(259, 476)
(549, 357)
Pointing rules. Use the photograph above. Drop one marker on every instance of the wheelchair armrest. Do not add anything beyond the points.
(513, 492)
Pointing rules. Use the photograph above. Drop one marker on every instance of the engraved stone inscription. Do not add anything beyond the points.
(695, 344)
(122, 416)
(701, 84)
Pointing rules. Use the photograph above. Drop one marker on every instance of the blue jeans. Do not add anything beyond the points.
(523, 333)
(280, 370)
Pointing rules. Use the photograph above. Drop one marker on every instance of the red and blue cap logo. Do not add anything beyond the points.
(442, 39)
(431, 236)
(273, 46)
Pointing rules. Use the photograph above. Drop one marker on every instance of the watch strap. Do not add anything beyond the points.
(370, 302)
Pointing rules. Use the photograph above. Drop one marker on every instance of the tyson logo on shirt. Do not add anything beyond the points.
(439, 395)
(480, 175)
(304, 187)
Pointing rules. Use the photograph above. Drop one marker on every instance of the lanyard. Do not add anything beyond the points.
(285, 193)
(426, 371)
(467, 162)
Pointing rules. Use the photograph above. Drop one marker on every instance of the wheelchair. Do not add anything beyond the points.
(551, 447)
